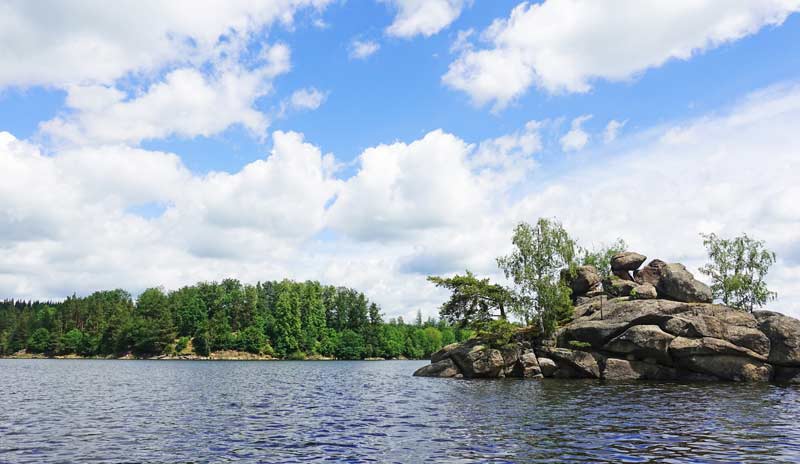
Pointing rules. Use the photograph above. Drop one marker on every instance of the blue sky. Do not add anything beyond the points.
(173, 144)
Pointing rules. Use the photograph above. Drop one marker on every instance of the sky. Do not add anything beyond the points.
(370, 144)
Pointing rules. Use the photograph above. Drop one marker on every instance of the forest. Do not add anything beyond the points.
(286, 319)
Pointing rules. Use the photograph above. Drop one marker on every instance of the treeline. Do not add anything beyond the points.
(283, 319)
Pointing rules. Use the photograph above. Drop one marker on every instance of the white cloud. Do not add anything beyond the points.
(433, 205)
(462, 42)
(612, 130)
(423, 17)
(78, 233)
(403, 188)
(143, 70)
(186, 103)
(362, 49)
(503, 161)
(576, 138)
(96, 42)
(307, 99)
(562, 45)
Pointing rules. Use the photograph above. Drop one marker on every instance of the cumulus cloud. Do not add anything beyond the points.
(80, 228)
(562, 45)
(503, 161)
(438, 204)
(95, 42)
(363, 49)
(612, 130)
(186, 103)
(576, 138)
(307, 99)
(423, 17)
(390, 195)
(136, 71)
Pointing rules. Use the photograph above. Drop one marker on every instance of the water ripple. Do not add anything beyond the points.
(162, 411)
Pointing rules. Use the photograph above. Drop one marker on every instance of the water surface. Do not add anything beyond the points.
(179, 411)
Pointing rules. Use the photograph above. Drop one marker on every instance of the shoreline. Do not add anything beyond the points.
(212, 357)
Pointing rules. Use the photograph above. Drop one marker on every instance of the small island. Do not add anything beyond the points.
(622, 321)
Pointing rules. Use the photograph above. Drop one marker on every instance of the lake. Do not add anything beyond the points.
(206, 411)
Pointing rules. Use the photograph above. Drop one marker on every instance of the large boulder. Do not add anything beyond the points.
(615, 286)
(584, 280)
(444, 368)
(690, 320)
(573, 363)
(784, 336)
(627, 261)
(594, 332)
(621, 369)
(478, 360)
(735, 368)
(679, 284)
(444, 353)
(644, 291)
(787, 375)
(547, 366)
(650, 274)
(527, 366)
(643, 342)
(633, 312)
(736, 327)
(682, 347)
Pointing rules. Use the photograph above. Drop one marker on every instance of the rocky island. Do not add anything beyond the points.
(652, 323)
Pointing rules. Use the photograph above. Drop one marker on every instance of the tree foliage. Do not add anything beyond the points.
(472, 299)
(737, 270)
(540, 252)
(284, 319)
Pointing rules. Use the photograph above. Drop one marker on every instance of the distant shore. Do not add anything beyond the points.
(227, 355)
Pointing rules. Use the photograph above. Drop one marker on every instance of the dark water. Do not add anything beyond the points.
(172, 411)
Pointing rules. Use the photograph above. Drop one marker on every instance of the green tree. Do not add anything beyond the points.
(200, 342)
(189, 309)
(540, 253)
(433, 340)
(288, 327)
(71, 342)
(737, 270)
(372, 332)
(351, 345)
(416, 343)
(146, 337)
(448, 336)
(471, 299)
(154, 327)
(252, 340)
(219, 332)
(329, 342)
(393, 338)
(39, 342)
(312, 316)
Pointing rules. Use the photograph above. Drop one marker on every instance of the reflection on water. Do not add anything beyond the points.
(172, 411)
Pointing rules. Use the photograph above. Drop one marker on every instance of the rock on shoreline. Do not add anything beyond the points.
(673, 333)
